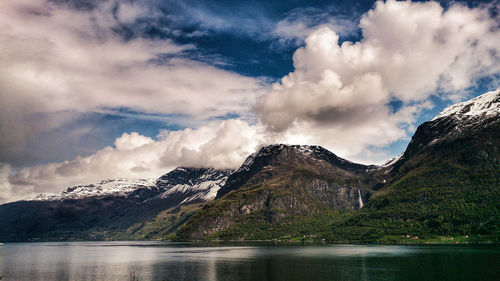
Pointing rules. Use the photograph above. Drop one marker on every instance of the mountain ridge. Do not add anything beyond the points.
(275, 155)
(106, 209)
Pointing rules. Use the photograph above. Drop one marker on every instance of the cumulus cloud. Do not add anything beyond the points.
(59, 62)
(131, 141)
(223, 145)
(339, 94)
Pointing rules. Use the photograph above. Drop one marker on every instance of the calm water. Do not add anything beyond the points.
(175, 261)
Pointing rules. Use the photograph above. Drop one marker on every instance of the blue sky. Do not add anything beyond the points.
(205, 83)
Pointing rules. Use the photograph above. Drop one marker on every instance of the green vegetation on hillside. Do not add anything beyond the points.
(162, 227)
(451, 190)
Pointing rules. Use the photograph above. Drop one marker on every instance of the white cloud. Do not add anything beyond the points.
(131, 141)
(338, 95)
(59, 62)
(223, 145)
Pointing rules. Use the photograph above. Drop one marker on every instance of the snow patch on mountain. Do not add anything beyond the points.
(110, 187)
(248, 162)
(194, 183)
(205, 190)
(484, 105)
(305, 150)
(392, 161)
(261, 153)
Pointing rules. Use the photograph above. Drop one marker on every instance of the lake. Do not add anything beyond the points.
(249, 261)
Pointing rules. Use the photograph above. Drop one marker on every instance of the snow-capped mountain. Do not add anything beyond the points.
(461, 120)
(466, 117)
(110, 187)
(281, 182)
(110, 206)
(191, 183)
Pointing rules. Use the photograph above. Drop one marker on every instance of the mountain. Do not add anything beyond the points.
(278, 186)
(446, 183)
(108, 208)
(458, 121)
(191, 183)
(280, 156)
(195, 184)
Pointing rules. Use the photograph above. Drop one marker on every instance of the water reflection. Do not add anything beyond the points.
(180, 261)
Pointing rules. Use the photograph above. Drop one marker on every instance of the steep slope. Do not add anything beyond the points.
(280, 185)
(446, 183)
(458, 121)
(102, 210)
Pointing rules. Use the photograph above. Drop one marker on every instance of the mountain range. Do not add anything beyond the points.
(444, 187)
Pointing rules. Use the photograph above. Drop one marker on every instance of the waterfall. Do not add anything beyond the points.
(360, 199)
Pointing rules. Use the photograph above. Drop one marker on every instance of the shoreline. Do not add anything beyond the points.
(431, 241)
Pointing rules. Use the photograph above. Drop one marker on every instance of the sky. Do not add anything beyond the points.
(91, 90)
